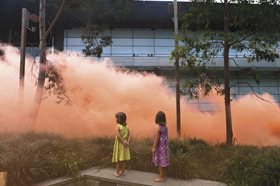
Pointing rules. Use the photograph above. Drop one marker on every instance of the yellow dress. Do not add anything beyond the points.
(120, 152)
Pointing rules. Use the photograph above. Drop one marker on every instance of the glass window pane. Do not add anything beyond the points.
(164, 42)
(119, 51)
(163, 51)
(121, 42)
(143, 42)
(143, 50)
(143, 33)
(122, 33)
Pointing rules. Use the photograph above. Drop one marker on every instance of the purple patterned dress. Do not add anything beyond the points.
(161, 154)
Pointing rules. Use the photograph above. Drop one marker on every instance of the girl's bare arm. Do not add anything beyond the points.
(156, 139)
(119, 135)
(129, 136)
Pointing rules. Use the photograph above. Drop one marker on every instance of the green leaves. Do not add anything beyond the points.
(197, 55)
(253, 29)
(34, 157)
(55, 83)
(253, 169)
(95, 41)
(263, 49)
(96, 12)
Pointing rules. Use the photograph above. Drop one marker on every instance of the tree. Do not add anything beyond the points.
(44, 71)
(85, 9)
(246, 25)
(95, 41)
(95, 16)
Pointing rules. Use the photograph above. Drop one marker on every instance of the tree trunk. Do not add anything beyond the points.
(229, 133)
(42, 67)
(177, 71)
(43, 34)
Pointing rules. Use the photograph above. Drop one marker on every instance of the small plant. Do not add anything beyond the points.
(70, 162)
(236, 171)
(178, 146)
(141, 155)
(253, 170)
(182, 163)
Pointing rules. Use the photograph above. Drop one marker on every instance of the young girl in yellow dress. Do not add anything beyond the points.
(121, 152)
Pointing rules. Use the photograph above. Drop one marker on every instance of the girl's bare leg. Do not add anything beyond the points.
(162, 175)
(122, 168)
(163, 172)
(118, 168)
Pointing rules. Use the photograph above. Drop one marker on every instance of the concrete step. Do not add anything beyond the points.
(105, 177)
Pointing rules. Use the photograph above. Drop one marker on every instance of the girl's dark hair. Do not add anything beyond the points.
(121, 118)
(160, 118)
(1, 52)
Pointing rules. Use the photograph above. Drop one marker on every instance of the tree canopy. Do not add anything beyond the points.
(212, 30)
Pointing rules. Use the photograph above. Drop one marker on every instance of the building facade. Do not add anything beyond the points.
(144, 40)
(146, 49)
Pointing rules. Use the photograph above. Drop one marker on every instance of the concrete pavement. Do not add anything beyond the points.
(105, 177)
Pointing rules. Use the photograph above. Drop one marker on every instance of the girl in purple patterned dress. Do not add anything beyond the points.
(160, 146)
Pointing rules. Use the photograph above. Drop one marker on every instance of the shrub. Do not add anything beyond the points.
(141, 155)
(253, 170)
(33, 157)
(182, 164)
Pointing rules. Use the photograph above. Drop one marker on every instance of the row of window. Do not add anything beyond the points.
(140, 49)
(126, 42)
(208, 106)
(135, 42)
(127, 33)
(127, 51)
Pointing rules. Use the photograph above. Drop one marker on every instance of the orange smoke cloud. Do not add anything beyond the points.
(254, 121)
(98, 90)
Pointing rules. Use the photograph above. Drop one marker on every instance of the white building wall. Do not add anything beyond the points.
(269, 83)
(152, 47)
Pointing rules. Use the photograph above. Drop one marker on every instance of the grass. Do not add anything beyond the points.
(33, 157)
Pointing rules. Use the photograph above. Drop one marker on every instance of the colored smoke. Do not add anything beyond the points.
(98, 90)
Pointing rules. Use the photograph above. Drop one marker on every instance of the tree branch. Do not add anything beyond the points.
(238, 67)
(216, 42)
(251, 89)
(242, 39)
(55, 18)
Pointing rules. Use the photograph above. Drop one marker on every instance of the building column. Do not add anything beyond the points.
(59, 39)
